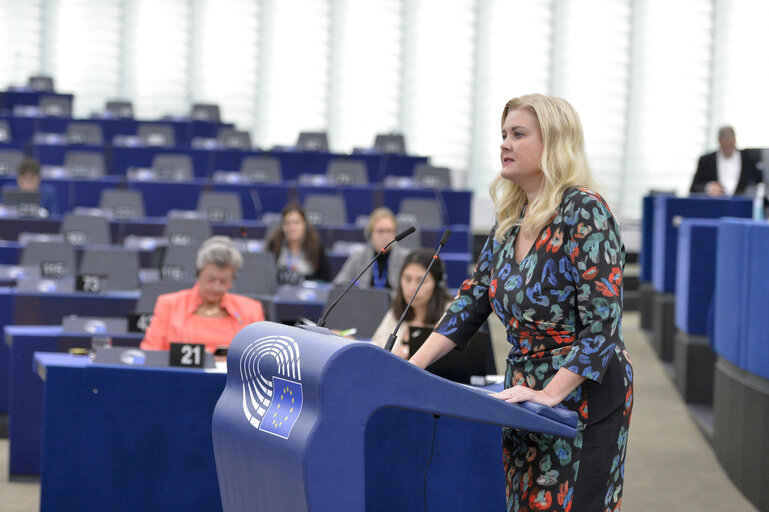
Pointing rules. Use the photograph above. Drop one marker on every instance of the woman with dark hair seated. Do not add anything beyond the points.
(299, 254)
(428, 305)
(206, 313)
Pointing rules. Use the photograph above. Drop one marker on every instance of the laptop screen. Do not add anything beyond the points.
(458, 365)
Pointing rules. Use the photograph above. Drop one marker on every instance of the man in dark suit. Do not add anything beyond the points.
(727, 171)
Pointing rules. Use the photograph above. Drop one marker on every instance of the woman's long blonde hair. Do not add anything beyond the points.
(563, 163)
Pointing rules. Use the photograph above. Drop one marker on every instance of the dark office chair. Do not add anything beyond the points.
(121, 109)
(120, 267)
(234, 139)
(258, 275)
(55, 106)
(261, 169)
(52, 259)
(156, 135)
(187, 231)
(390, 143)
(347, 172)
(10, 160)
(179, 263)
(312, 141)
(220, 206)
(325, 209)
(369, 306)
(428, 176)
(173, 166)
(84, 133)
(123, 203)
(205, 112)
(421, 211)
(84, 164)
(85, 230)
(5, 131)
(152, 289)
(40, 83)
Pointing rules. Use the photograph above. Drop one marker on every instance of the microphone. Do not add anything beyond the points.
(400, 236)
(393, 335)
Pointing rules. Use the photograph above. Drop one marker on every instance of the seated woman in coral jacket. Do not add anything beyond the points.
(206, 313)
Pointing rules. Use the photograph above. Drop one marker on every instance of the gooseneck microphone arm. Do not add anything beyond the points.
(400, 236)
(391, 339)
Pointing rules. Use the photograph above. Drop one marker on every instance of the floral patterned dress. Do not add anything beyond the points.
(562, 307)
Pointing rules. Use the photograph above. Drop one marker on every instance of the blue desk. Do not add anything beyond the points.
(25, 391)
(126, 437)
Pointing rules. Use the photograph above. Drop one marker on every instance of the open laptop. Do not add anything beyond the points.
(457, 365)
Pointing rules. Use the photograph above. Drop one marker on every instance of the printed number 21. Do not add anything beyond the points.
(191, 355)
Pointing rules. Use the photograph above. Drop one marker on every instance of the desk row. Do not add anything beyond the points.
(252, 201)
(205, 161)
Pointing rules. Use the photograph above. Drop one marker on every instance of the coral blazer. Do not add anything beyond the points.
(174, 320)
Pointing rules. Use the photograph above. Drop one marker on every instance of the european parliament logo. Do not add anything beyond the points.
(272, 387)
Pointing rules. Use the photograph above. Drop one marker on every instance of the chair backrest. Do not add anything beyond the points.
(234, 139)
(156, 135)
(9, 161)
(258, 275)
(205, 112)
(55, 106)
(40, 83)
(186, 231)
(120, 108)
(173, 166)
(325, 209)
(5, 131)
(179, 263)
(422, 212)
(361, 308)
(85, 230)
(150, 291)
(312, 141)
(261, 169)
(54, 259)
(79, 132)
(120, 267)
(84, 164)
(74, 324)
(124, 203)
(347, 172)
(390, 143)
(220, 206)
(428, 176)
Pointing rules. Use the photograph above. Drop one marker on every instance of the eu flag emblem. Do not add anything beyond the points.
(284, 408)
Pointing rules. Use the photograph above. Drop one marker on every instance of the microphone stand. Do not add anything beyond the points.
(391, 339)
(322, 320)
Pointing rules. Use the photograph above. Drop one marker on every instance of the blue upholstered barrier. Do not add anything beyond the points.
(668, 210)
(695, 274)
(647, 239)
(756, 319)
(730, 289)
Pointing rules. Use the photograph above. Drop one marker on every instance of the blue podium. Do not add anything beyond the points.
(311, 421)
